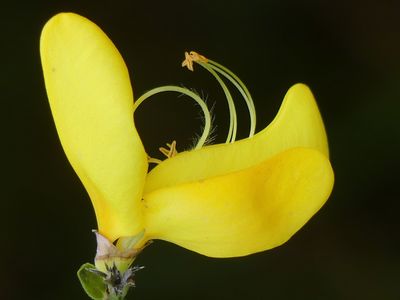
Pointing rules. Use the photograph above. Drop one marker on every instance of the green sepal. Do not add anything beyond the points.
(92, 282)
(126, 243)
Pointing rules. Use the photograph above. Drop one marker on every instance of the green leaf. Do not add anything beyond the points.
(92, 282)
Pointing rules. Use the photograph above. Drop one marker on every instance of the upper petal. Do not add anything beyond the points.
(297, 124)
(243, 212)
(91, 100)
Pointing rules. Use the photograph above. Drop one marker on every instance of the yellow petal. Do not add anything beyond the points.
(297, 124)
(91, 99)
(243, 212)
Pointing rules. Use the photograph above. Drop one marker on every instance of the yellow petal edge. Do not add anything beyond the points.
(243, 212)
(91, 100)
(297, 124)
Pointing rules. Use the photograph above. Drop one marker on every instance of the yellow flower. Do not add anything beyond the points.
(222, 200)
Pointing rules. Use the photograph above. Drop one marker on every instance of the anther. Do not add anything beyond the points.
(198, 57)
(152, 160)
(170, 151)
(188, 62)
(191, 57)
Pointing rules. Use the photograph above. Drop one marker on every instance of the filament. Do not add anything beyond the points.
(194, 96)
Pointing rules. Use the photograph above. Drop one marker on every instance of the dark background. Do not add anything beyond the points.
(348, 52)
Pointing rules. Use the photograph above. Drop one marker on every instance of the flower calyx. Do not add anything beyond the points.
(113, 274)
(120, 255)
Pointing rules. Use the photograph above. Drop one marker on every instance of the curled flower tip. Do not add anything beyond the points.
(191, 57)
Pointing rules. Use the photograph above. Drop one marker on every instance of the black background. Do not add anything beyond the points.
(348, 52)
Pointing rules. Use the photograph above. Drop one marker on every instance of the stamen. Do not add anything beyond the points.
(207, 116)
(170, 151)
(235, 80)
(203, 61)
(198, 57)
(193, 57)
(212, 66)
(188, 62)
